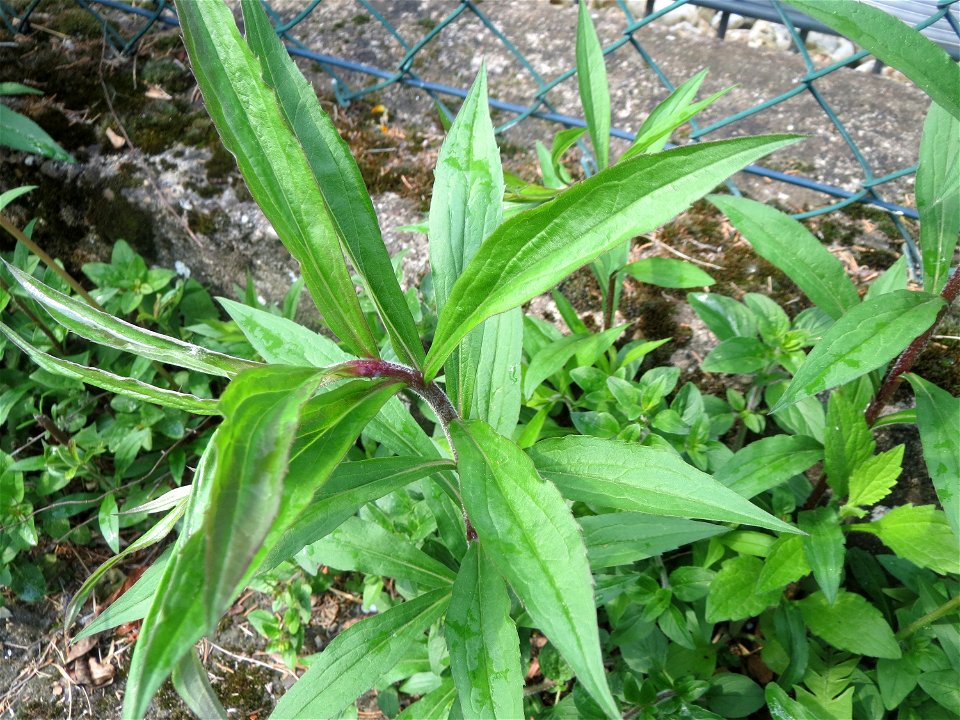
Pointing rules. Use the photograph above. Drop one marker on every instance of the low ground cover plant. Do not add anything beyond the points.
(542, 505)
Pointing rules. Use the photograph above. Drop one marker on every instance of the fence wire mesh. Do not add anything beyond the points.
(402, 58)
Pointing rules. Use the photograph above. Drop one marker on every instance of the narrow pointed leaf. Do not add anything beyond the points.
(366, 547)
(483, 642)
(787, 245)
(864, 339)
(346, 206)
(351, 486)
(938, 417)
(668, 273)
(183, 608)
(895, 43)
(625, 537)
(594, 91)
(129, 387)
(22, 133)
(191, 683)
(356, 659)
(10, 195)
(531, 252)
(104, 329)
(938, 195)
(252, 126)
(627, 476)
(533, 540)
(433, 705)
(769, 462)
(823, 546)
(553, 357)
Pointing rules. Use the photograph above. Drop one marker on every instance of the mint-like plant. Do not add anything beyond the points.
(274, 479)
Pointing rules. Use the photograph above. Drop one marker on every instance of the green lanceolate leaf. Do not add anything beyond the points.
(824, 548)
(533, 540)
(114, 383)
(766, 463)
(669, 115)
(367, 547)
(351, 486)
(482, 375)
(483, 642)
(625, 537)
(10, 195)
(531, 252)
(850, 623)
(551, 358)
(347, 207)
(261, 410)
(627, 476)
(668, 273)
(252, 126)
(938, 195)
(594, 91)
(356, 659)
(921, 535)
(893, 42)
(435, 704)
(789, 246)
(104, 329)
(191, 683)
(938, 417)
(864, 339)
(22, 133)
(848, 443)
(785, 564)
(181, 611)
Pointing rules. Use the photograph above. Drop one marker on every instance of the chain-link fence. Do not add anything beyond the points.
(407, 60)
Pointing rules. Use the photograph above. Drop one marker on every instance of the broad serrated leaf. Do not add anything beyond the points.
(104, 329)
(253, 128)
(627, 476)
(346, 204)
(920, 534)
(23, 134)
(592, 82)
(483, 642)
(938, 417)
(768, 462)
(864, 339)
(367, 547)
(351, 486)
(850, 623)
(733, 594)
(824, 548)
(872, 479)
(938, 195)
(847, 441)
(789, 246)
(127, 386)
(895, 43)
(668, 273)
(531, 252)
(785, 564)
(356, 659)
(533, 540)
(625, 537)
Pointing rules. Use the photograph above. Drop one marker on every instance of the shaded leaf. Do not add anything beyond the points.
(850, 623)
(668, 273)
(627, 476)
(625, 537)
(23, 134)
(191, 683)
(786, 563)
(766, 463)
(824, 548)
